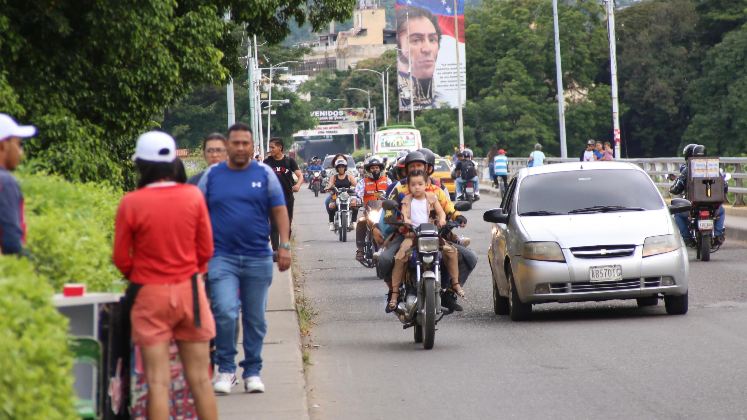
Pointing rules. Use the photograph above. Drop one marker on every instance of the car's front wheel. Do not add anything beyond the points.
(500, 303)
(518, 310)
(676, 305)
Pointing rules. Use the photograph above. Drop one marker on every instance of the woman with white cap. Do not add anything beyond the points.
(161, 248)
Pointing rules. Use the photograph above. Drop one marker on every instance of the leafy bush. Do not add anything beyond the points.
(70, 230)
(36, 380)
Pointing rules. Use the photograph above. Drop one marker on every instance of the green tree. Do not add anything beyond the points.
(718, 99)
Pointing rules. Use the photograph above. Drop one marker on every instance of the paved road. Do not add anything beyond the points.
(604, 360)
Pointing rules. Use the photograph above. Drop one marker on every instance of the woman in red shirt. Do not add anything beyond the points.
(162, 241)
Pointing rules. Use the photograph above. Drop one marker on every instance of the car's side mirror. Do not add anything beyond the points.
(390, 205)
(495, 216)
(463, 205)
(679, 205)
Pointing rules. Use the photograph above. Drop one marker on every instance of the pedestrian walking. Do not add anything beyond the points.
(491, 156)
(12, 218)
(214, 151)
(537, 158)
(284, 168)
(241, 195)
(162, 248)
(500, 168)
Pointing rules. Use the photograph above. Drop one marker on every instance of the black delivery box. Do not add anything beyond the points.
(705, 184)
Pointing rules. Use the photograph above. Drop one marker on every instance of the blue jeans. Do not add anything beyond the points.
(460, 181)
(718, 227)
(251, 276)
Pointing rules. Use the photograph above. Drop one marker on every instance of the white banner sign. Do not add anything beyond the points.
(328, 130)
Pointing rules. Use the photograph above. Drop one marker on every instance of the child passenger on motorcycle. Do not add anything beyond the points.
(420, 207)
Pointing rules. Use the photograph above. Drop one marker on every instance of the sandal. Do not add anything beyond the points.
(359, 254)
(392, 305)
(459, 292)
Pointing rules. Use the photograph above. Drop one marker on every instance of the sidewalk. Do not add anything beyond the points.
(735, 224)
(282, 373)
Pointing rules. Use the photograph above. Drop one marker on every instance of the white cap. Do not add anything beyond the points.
(10, 128)
(155, 146)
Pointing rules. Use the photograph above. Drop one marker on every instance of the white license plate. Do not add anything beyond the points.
(605, 273)
(705, 224)
(470, 190)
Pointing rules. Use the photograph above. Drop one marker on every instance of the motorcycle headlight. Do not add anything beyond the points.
(428, 244)
(374, 216)
(543, 251)
(655, 245)
(316, 174)
(344, 196)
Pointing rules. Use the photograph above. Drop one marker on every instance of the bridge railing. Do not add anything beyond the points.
(657, 168)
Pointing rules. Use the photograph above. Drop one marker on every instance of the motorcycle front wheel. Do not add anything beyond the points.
(344, 227)
(429, 316)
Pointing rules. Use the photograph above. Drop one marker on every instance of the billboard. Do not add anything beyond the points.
(431, 79)
(344, 114)
(329, 130)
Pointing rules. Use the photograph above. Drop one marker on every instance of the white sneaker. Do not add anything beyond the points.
(224, 383)
(331, 226)
(253, 384)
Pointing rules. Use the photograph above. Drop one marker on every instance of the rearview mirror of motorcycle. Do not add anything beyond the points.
(390, 205)
(463, 205)
(679, 205)
(495, 216)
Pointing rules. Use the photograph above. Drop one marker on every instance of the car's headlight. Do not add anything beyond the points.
(543, 251)
(655, 245)
(374, 216)
(428, 244)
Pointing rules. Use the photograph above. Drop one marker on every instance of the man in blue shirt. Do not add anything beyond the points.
(315, 166)
(241, 194)
(12, 219)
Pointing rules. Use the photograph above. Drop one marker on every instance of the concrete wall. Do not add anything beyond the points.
(355, 53)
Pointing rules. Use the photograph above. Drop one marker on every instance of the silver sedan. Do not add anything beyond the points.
(588, 231)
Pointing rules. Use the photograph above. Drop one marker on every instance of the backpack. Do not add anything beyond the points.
(468, 169)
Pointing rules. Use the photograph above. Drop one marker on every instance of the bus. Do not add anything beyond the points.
(391, 139)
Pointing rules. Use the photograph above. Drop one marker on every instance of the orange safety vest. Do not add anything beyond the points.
(372, 187)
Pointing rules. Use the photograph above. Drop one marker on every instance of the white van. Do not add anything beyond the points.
(394, 138)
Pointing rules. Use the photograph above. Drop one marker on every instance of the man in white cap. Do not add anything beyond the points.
(12, 219)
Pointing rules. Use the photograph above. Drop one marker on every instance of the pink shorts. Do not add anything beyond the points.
(165, 311)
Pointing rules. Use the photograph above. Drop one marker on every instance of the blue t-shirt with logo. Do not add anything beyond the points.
(240, 204)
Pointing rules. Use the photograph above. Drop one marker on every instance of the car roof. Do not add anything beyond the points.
(575, 166)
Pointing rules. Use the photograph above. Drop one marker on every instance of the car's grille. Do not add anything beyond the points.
(610, 251)
(559, 288)
(652, 282)
(604, 286)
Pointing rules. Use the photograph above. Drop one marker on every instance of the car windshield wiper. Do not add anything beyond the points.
(539, 213)
(605, 209)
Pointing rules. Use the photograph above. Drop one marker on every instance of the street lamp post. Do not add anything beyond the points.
(385, 99)
(269, 107)
(370, 124)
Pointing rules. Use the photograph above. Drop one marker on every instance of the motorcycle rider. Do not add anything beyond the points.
(366, 191)
(680, 187)
(315, 166)
(467, 258)
(466, 170)
(342, 180)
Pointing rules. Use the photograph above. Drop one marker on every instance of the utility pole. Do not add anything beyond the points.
(257, 107)
(409, 71)
(613, 74)
(561, 100)
(229, 88)
(459, 76)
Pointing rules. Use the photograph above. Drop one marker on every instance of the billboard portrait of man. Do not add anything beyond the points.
(432, 47)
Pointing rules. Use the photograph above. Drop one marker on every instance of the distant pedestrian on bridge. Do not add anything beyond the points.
(537, 158)
(241, 197)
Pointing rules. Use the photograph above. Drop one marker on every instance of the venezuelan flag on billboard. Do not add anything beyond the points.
(427, 58)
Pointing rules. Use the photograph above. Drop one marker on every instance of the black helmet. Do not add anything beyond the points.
(430, 158)
(415, 157)
(699, 151)
(373, 162)
(401, 168)
(687, 152)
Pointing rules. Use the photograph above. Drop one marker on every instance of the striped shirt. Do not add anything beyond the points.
(500, 165)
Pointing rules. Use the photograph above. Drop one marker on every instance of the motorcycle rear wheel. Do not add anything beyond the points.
(429, 315)
(704, 247)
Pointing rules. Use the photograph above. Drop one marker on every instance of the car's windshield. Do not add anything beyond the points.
(328, 161)
(587, 191)
(442, 166)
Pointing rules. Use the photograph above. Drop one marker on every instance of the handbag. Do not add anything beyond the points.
(531, 162)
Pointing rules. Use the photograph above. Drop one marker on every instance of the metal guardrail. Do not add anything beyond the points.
(657, 168)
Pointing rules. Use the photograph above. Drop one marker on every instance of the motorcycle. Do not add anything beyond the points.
(316, 182)
(469, 192)
(420, 306)
(370, 217)
(342, 197)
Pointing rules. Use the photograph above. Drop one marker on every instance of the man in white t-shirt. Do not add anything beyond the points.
(588, 154)
(537, 158)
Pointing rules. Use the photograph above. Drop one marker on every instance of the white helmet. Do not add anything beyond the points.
(341, 162)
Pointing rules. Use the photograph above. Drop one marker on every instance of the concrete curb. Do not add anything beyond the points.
(282, 373)
(736, 222)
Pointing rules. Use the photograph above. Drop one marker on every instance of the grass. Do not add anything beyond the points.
(304, 309)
